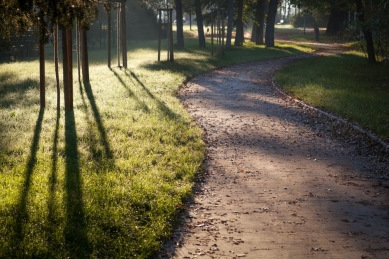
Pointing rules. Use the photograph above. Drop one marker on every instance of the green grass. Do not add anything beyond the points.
(288, 32)
(343, 84)
(107, 179)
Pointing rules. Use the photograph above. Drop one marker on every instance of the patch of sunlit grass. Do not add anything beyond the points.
(107, 179)
(344, 84)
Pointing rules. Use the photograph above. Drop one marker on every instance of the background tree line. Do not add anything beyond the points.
(50, 17)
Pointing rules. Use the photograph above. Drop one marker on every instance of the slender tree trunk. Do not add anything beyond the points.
(65, 69)
(124, 37)
(42, 66)
(239, 25)
(84, 57)
(259, 35)
(56, 66)
(288, 16)
(200, 27)
(270, 22)
(254, 32)
(180, 25)
(109, 37)
(230, 23)
(70, 65)
(261, 13)
(366, 32)
(78, 50)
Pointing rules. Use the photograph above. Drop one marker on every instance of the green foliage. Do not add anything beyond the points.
(311, 19)
(377, 21)
(13, 21)
(142, 21)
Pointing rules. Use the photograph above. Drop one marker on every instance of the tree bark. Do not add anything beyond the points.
(70, 66)
(230, 23)
(239, 25)
(254, 32)
(261, 13)
(78, 48)
(42, 82)
(109, 37)
(366, 32)
(336, 22)
(180, 25)
(123, 38)
(84, 56)
(65, 68)
(270, 22)
(200, 27)
(56, 66)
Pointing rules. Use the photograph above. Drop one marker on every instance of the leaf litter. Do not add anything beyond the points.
(280, 179)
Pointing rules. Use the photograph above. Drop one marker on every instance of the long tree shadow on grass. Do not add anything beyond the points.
(161, 106)
(75, 229)
(192, 67)
(142, 104)
(22, 214)
(53, 180)
(97, 117)
(12, 91)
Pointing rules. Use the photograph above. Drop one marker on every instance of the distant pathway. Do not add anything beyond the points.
(277, 184)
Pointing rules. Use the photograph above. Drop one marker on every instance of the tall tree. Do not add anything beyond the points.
(239, 36)
(230, 13)
(361, 8)
(42, 73)
(180, 25)
(270, 23)
(260, 15)
(56, 61)
(200, 26)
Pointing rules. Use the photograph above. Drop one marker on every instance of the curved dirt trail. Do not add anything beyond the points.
(277, 184)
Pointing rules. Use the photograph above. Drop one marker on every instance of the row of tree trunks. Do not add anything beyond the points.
(67, 64)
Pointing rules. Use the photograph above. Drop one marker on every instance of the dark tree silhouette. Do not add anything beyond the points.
(270, 22)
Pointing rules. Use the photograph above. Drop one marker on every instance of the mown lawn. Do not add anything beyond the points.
(107, 179)
(344, 84)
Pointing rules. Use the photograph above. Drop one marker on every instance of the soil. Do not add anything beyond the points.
(281, 180)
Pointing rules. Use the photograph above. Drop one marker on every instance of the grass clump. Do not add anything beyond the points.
(107, 179)
(343, 84)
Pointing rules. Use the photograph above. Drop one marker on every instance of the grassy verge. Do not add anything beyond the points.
(343, 84)
(288, 32)
(106, 180)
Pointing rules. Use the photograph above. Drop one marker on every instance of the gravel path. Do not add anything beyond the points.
(277, 183)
